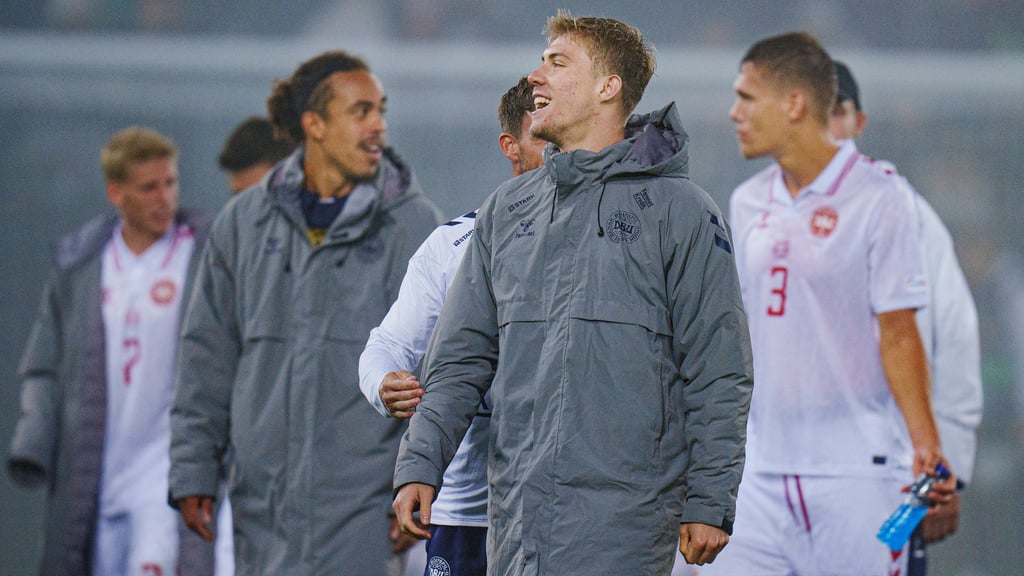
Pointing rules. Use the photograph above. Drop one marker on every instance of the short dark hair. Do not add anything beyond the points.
(615, 48)
(306, 90)
(797, 59)
(513, 105)
(252, 142)
(846, 85)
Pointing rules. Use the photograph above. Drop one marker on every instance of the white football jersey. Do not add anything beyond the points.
(141, 300)
(399, 344)
(815, 272)
(949, 330)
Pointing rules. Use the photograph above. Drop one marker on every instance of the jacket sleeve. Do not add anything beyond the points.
(34, 444)
(949, 328)
(459, 366)
(208, 356)
(712, 350)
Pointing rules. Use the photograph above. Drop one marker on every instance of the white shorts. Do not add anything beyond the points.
(139, 542)
(224, 547)
(810, 525)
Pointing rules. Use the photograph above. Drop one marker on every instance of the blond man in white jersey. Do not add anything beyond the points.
(98, 375)
(831, 271)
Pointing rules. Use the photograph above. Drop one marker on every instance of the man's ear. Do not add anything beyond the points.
(313, 125)
(509, 146)
(862, 123)
(114, 194)
(610, 88)
(796, 104)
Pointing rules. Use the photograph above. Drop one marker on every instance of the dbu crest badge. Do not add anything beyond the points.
(623, 227)
(438, 567)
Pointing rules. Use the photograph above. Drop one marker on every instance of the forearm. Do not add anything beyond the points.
(906, 369)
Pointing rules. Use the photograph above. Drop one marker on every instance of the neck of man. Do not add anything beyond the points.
(805, 157)
(322, 177)
(137, 240)
(595, 136)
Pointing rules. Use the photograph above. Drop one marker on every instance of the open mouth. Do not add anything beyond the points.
(372, 148)
(540, 102)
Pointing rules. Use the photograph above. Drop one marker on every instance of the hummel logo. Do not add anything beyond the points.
(526, 224)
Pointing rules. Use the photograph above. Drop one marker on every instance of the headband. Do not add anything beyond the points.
(300, 95)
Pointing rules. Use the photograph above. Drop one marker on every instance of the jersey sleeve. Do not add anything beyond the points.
(401, 339)
(896, 272)
(459, 365)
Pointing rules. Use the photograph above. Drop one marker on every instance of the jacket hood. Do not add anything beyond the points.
(655, 145)
(83, 244)
(394, 184)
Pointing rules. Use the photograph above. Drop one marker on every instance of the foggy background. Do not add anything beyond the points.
(942, 82)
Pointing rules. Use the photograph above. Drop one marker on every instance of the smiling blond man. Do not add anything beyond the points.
(598, 303)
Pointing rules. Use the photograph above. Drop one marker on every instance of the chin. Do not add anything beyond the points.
(749, 153)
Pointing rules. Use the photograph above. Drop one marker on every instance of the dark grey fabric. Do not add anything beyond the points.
(599, 304)
(269, 356)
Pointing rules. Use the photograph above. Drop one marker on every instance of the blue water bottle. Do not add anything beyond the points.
(896, 530)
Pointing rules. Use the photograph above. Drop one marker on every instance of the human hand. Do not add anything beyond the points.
(943, 490)
(941, 521)
(400, 542)
(197, 513)
(411, 497)
(701, 543)
(400, 392)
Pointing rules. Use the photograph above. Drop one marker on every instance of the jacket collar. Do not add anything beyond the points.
(393, 185)
(655, 145)
(82, 245)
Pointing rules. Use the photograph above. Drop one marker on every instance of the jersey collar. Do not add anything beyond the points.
(830, 178)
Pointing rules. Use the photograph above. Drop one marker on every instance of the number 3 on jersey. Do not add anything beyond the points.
(779, 276)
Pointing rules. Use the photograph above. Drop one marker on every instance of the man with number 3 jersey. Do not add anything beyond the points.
(831, 272)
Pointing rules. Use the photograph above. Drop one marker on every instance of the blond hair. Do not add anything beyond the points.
(615, 48)
(131, 146)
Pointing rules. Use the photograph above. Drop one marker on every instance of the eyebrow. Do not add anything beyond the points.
(370, 103)
(548, 55)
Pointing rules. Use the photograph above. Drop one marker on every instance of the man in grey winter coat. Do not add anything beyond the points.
(297, 271)
(599, 304)
(96, 392)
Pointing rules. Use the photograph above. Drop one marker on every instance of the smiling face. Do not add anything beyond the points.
(759, 112)
(566, 94)
(146, 199)
(349, 137)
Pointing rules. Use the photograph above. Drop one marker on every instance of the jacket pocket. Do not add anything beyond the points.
(520, 311)
(653, 318)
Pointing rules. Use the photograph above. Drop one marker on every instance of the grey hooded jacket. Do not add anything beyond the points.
(59, 437)
(599, 303)
(269, 357)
